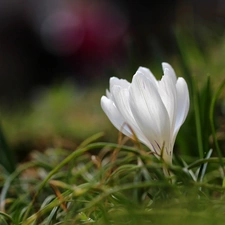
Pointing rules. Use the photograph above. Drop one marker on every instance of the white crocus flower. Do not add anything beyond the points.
(154, 110)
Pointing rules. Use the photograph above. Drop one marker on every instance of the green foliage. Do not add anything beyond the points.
(62, 115)
(120, 185)
(195, 66)
(7, 159)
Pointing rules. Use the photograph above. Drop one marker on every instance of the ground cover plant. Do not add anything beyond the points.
(88, 179)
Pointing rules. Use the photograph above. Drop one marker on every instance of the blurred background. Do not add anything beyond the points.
(56, 57)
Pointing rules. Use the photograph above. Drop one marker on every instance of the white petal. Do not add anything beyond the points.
(108, 94)
(149, 110)
(183, 103)
(121, 97)
(168, 70)
(114, 115)
(116, 81)
(168, 94)
(147, 73)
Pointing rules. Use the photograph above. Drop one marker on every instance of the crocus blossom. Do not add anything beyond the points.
(152, 109)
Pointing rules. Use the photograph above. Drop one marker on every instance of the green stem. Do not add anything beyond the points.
(211, 117)
(202, 161)
(198, 122)
(6, 216)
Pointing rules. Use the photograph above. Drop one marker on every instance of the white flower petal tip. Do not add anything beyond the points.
(154, 110)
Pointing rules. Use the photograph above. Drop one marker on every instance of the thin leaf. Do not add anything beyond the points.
(212, 106)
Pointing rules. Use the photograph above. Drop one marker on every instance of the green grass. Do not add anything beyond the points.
(83, 188)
